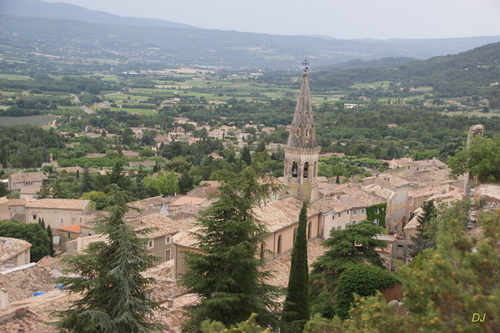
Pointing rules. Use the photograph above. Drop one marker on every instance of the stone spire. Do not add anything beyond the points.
(302, 132)
(301, 152)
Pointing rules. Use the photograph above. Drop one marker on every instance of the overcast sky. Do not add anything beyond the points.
(346, 19)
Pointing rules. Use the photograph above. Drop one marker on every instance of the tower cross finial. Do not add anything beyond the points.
(306, 64)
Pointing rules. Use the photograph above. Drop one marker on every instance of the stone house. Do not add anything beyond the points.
(20, 180)
(59, 212)
(13, 252)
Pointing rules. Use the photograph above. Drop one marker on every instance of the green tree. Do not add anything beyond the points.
(481, 158)
(248, 326)
(3, 189)
(426, 236)
(166, 182)
(51, 244)
(44, 191)
(444, 287)
(114, 292)
(346, 248)
(33, 233)
(86, 181)
(296, 306)
(227, 275)
(245, 155)
(362, 279)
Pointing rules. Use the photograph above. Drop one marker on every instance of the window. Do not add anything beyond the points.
(294, 233)
(309, 230)
(167, 239)
(306, 169)
(279, 245)
(354, 212)
(340, 214)
(262, 250)
(62, 220)
(167, 255)
(151, 244)
(294, 169)
(363, 211)
(34, 217)
(339, 227)
(347, 212)
(68, 235)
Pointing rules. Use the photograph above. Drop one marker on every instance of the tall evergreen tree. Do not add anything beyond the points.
(51, 245)
(427, 228)
(86, 181)
(296, 307)
(114, 292)
(245, 155)
(227, 275)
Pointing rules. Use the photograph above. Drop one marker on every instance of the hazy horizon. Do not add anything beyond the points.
(343, 19)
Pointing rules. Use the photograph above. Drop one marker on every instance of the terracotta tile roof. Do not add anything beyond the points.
(186, 199)
(4, 200)
(11, 247)
(151, 202)
(280, 266)
(74, 228)
(59, 204)
(378, 191)
(185, 238)
(162, 224)
(326, 205)
(95, 155)
(279, 214)
(29, 190)
(23, 281)
(18, 202)
(203, 191)
(27, 177)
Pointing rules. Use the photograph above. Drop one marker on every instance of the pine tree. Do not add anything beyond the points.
(296, 307)
(227, 275)
(426, 236)
(114, 292)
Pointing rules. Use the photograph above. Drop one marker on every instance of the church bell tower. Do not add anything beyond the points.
(301, 151)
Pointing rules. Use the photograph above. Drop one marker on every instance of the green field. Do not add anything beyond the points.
(373, 85)
(14, 77)
(31, 120)
(146, 112)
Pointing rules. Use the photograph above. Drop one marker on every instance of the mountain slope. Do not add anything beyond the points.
(113, 39)
(59, 10)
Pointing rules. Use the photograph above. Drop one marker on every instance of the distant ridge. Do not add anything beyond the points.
(59, 10)
(70, 31)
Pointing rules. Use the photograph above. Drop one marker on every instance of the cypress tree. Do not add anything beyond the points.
(296, 307)
(49, 233)
(245, 155)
